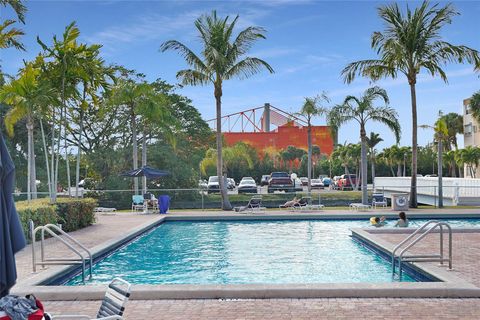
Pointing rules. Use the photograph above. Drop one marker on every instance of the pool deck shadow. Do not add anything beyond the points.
(113, 231)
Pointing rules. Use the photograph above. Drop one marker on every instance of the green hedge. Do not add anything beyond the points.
(72, 214)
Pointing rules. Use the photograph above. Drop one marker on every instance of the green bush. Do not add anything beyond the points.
(76, 214)
(72, 214)
(39, 211)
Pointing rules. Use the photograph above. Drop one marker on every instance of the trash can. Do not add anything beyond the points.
(164, 203)
(400, 201)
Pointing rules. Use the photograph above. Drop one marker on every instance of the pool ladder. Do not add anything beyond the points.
(416, 237)
(76, 247)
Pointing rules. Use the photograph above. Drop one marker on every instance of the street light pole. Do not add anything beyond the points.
(440, 172)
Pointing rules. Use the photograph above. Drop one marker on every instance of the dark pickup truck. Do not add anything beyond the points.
(280, 181)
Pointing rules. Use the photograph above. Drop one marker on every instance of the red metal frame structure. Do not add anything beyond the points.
(248, 121)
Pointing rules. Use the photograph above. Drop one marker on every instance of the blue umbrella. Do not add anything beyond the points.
(12, 238)
(145, 171)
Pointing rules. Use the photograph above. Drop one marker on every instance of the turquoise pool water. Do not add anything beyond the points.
(246, 252)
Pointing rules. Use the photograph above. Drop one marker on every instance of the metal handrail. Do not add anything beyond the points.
(59, 261)
(424, 258)
(406, 239)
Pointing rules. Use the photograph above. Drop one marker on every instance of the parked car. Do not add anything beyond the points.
(326, 182)
(304, 181)
(433, 175)
(335, 181)
(347, 181)
(247, 185)
(298, 185)
(280, 181)
(202, 184)
(213, 185)
(231, 183)
(316, 184)
(264, 180)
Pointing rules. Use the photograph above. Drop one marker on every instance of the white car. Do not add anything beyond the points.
(247, 185)
(317, 184)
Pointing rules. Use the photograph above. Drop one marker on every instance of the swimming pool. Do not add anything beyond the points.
(249, 252)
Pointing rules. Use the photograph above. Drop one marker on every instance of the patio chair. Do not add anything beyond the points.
(137, 203)
(254, 204)
(113, 304)
(379, 200)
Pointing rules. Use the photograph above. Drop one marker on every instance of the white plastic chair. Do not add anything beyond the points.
(113, 303)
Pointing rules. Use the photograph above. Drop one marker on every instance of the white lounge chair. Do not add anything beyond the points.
(113, 303)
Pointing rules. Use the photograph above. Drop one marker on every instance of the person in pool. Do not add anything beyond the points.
(378, 222)
(402, 222)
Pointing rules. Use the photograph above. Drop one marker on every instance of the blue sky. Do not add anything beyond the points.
(308, 44)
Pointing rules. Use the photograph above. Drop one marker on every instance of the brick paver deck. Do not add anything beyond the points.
(466, 252)
(294, 309)
(109, 227)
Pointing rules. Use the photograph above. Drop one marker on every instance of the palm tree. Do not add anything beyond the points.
(411, 43)
(361, 110)
(10, 37)
(475, 105)
(66, 69)
(27, 97)
(449, 161)
(470, 156)
(372, 142)
(454, 124)
(222, 60)
(311, 108)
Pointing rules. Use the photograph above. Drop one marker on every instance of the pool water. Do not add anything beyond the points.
(245, 252)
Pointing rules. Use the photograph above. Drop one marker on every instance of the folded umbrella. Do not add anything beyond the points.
(12, 238)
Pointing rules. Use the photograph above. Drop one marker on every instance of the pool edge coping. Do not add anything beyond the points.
(448, 289)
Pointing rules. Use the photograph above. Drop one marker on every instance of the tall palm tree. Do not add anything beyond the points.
(65, 67)
(361, 110)
(222, 60)
(411, 43)
(372, 142)
(27, 97)
(311, 108)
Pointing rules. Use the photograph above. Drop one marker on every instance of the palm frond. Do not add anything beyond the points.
(191, 58)
(193, 77)
(246, 68)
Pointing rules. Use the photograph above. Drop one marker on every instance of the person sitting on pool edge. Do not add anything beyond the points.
(377, 222)
(402, 222)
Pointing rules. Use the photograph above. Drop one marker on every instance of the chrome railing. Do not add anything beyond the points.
(62, 236)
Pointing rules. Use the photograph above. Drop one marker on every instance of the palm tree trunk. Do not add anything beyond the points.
(413, 183)
(134, 148)
(309, 166)
(399, 169)
(46, 160)
(79, 151)
(29, 158)
(221, 181)
(373, 168)
(67, 162)
(144, 159)
(53, 196)
(364, 164)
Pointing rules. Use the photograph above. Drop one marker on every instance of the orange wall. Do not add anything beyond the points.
(283, 137)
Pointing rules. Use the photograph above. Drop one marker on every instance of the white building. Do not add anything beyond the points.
(471, 133)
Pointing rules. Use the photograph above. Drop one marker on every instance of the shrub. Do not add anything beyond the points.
(39, 211)
(72, 214)
(75, 214)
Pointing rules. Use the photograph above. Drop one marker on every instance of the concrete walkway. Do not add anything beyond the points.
(109, 227)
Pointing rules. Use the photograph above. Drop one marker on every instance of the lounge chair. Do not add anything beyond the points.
(379, 200)
(137, 203)
(305, 204)
(113, 304)
(253, 205)
(360, 207)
